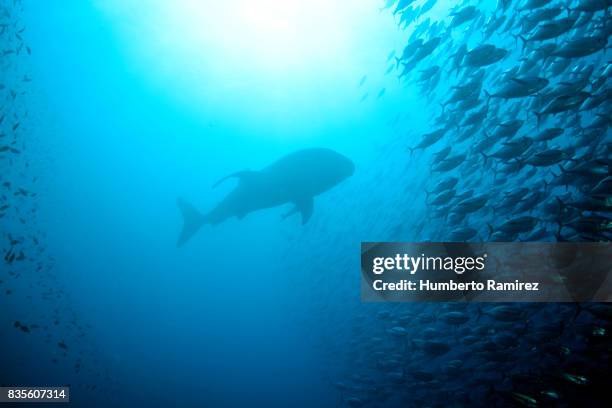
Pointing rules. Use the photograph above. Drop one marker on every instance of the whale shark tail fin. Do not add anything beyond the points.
(192, 221)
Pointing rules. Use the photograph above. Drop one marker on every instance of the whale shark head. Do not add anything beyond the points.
(335, 166)
(345, 167)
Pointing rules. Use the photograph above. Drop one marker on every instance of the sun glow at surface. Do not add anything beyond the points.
(270, 59)
(287, 34)
(241, 38)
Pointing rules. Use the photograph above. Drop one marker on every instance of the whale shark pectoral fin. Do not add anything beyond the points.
(240, 174)
(304, 207)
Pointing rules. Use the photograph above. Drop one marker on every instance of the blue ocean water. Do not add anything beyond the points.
(129, 106)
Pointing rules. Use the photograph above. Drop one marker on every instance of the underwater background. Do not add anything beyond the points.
(111, 110)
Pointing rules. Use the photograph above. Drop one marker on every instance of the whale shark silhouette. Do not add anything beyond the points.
(296, 178)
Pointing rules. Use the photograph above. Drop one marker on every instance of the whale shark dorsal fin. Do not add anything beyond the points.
(239, 174)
